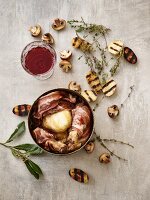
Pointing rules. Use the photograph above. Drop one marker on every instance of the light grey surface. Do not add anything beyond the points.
(130, 22)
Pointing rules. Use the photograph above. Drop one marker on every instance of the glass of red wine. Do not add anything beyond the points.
(38, 59)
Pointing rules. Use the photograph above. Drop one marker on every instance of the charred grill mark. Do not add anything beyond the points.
(106, 92)
(21, 110)
(88, 95)
(117, 44)
(108, 83)
(114, 49)
(95, 86)
(76, 174)
(95, 79)
(82, 176)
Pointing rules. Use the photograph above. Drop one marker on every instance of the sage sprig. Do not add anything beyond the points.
(23, 151)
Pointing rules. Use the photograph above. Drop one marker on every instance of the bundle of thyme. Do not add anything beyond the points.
(23, 151)
(100, 62)
(81, 25)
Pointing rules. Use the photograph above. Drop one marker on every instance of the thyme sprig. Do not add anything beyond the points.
(24, 151)
(115, 67)
(101, 141)
(129, 94)
(97, 103)
(82, 26)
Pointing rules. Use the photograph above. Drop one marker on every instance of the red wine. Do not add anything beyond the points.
(39, 60)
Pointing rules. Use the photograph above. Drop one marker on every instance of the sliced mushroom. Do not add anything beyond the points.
(59, 24)
(104, 158)
(113, 111)
(64, 55)
(65, 65)
(35, 30)
(74, 86)
(48, 38)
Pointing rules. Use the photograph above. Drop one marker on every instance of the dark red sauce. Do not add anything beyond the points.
(39, 60)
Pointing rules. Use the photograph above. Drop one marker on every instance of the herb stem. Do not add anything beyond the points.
(111, 152)
(129, 94)
(117, 141)
(4, 144)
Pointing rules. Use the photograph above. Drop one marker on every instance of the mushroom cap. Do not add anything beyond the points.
(59, 24)
(65, 54)
(48, 38)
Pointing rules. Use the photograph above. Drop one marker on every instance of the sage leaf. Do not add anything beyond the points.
(31, 149)
(31, 170)
(18, 131)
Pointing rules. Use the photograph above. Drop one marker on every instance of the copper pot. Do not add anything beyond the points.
(31, 124)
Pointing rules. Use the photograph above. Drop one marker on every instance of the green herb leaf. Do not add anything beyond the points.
(35, 167)
(31, 149)
(18, 131)
(31, 170)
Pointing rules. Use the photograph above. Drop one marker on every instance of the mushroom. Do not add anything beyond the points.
(65, 65)
(48, 38)
(35, 30)
(64, 55)
(74, 86)
(113, 111)
(104, 158)
(89, 147)
(59, 24)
